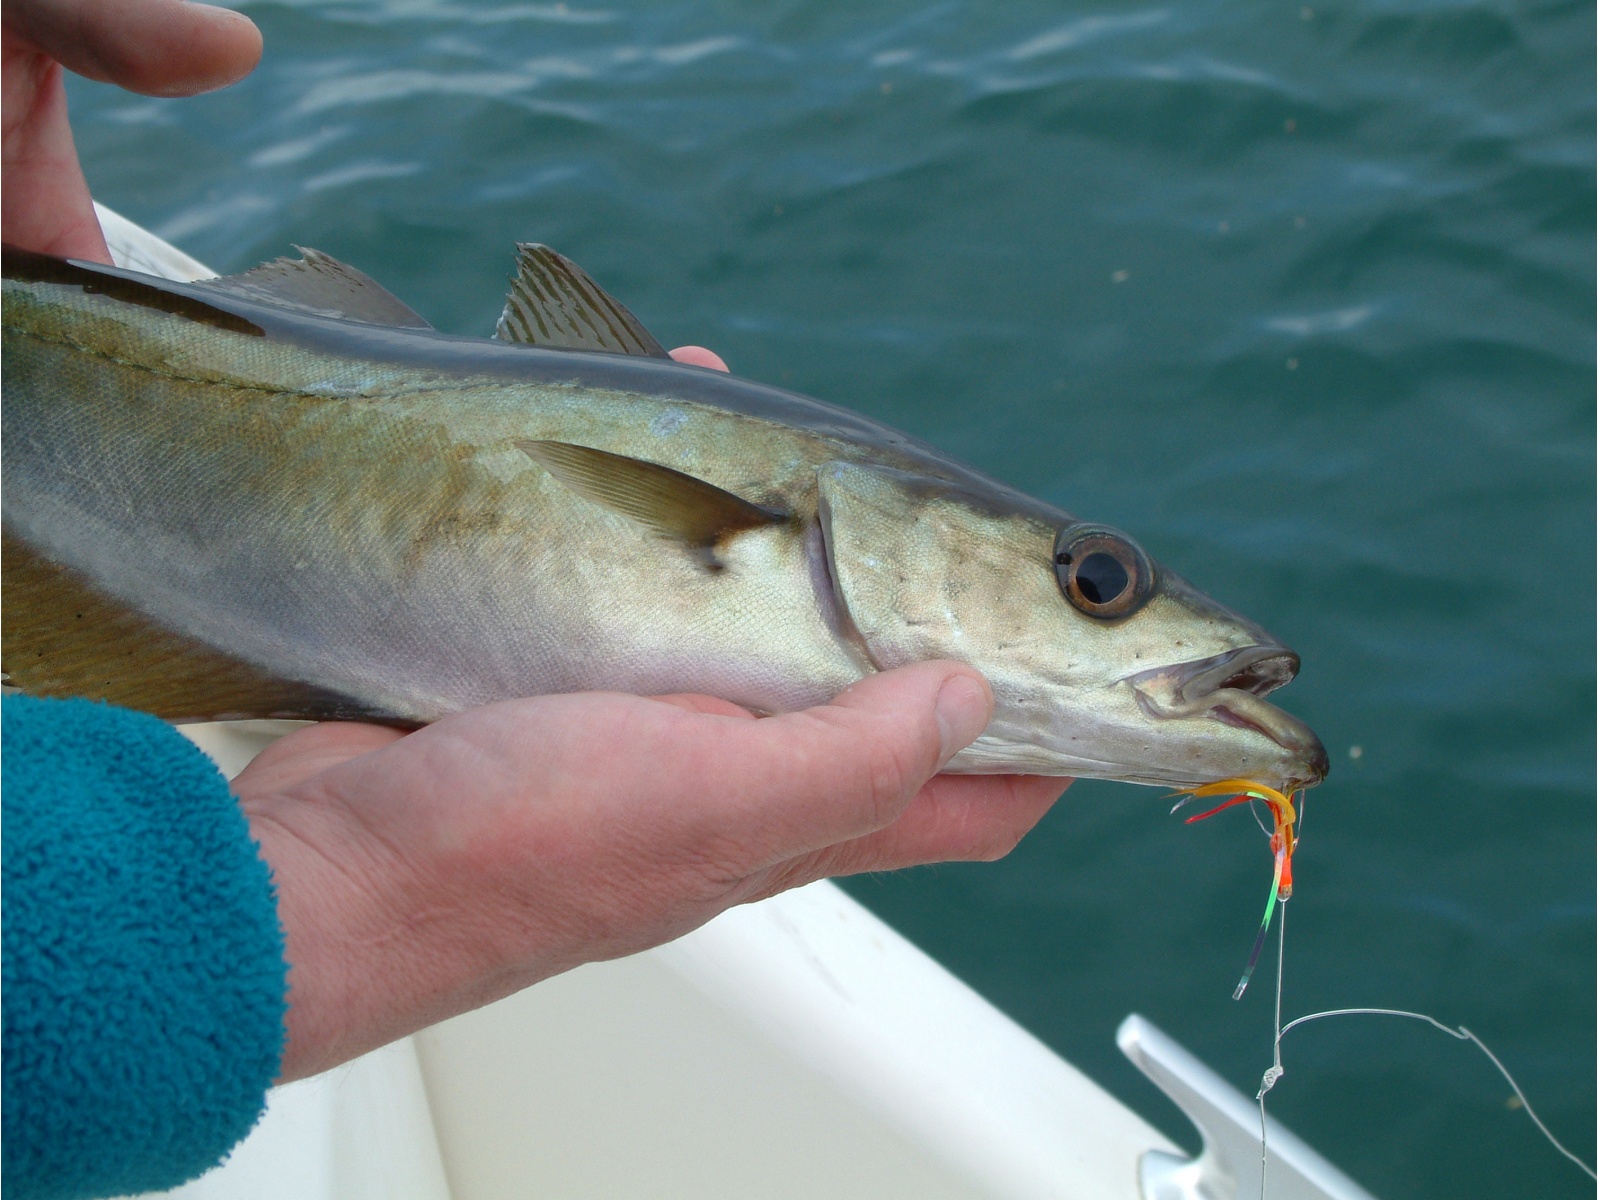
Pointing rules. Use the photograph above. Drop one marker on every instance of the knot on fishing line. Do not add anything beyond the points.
(1268, 1078)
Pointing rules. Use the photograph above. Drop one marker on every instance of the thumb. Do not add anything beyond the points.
(158, 47)
(961, 709)
(811, 779)
(292, 760)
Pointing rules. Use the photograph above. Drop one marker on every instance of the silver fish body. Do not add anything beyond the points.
(406, 523)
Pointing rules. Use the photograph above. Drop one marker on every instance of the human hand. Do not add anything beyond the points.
(699, 356)
(426, 874)
(157, 47)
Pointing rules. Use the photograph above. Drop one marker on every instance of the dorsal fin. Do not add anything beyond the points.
(322, 285)
(65, 638)
(675, 505)
(553, 302)
(128, 286)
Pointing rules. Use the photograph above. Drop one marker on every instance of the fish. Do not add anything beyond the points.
(282, 493)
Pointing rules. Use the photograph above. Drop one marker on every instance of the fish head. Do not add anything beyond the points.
(1104, 664)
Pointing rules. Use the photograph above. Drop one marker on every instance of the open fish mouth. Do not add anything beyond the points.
(1229, 688)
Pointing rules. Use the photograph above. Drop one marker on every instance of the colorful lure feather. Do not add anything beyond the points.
(1282, 844)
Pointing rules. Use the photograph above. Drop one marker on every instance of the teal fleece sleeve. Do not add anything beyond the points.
(143, 964)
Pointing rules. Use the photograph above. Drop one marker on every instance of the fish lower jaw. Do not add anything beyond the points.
(1230, 714)
(992, 755)
(995, 756)
(1237, 709)
(1245, 710)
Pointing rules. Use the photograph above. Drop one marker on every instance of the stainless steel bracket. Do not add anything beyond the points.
(1229, 1165)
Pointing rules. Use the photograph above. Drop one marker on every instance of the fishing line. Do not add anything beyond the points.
(1288, 828)
(1461, 1033)
(1255, 811)
(1275, 1071)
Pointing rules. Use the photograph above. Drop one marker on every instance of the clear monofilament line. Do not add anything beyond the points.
(1275, 1071)
(1255, 811)
(1461, 1033)
(1277, 1006)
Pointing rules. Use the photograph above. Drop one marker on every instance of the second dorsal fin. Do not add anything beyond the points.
(319, 284)
(553, 302)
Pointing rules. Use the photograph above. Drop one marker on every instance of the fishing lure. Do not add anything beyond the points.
(1282, 839)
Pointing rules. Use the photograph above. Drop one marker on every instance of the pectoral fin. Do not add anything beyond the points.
(673, 504)
(64, 638)
(553, 302)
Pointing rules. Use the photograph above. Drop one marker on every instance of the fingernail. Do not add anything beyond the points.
(962, 710)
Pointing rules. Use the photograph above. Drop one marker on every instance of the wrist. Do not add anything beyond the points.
(381, 942)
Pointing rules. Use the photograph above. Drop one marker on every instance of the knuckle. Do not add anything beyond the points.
(889, 771)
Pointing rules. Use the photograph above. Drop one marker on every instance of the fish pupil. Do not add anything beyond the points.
(1101, 578)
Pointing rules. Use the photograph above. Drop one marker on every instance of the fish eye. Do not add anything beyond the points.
(1102, 572)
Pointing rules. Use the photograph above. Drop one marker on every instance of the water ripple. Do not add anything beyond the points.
(1332, 321)
(1084, 29)
(360, 172)
(282, 154)
(377, 86)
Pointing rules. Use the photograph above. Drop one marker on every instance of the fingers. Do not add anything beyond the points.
(804, 781)
(956, 818)
(699, 356)
(43, 196)
(158, 47)
(690, 702)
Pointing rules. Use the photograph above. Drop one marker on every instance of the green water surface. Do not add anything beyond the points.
(1304, 297)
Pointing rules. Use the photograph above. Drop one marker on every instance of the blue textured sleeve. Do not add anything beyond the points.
(143, 964)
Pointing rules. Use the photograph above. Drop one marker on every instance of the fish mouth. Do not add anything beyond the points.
(1228, 688)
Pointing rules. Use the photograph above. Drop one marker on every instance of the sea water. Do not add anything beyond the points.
(1301, 295)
